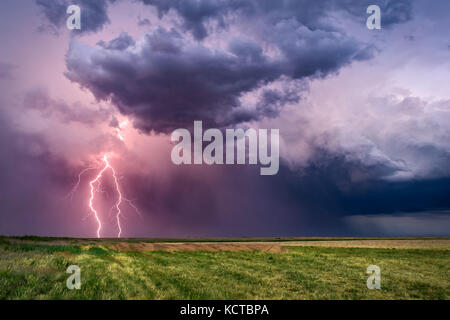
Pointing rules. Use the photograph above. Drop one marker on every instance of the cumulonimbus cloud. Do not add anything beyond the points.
(167, 80)
(197, 14)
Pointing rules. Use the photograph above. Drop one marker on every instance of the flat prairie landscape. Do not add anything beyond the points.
(245, 268)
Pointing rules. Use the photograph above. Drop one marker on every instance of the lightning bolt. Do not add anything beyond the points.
(75, 188)
(94, 184)
(95, 187)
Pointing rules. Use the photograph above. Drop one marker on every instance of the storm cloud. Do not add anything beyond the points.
(363, 116)
(198, 15)
(94, 13)
(165, 80)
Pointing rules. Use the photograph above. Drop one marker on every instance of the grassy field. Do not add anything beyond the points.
(35, 268)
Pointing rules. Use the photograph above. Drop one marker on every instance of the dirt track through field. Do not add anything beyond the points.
(274, 247)
(265, 246)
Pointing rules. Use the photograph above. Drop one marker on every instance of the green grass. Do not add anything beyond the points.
(37, 271)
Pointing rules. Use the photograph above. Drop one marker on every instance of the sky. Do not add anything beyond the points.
(363, 117)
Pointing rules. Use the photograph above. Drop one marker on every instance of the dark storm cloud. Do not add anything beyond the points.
(166, 81)
(434, 223)
(170, 82)
(273, 100)
(196, 14)
(122, 42)
(94, 13)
